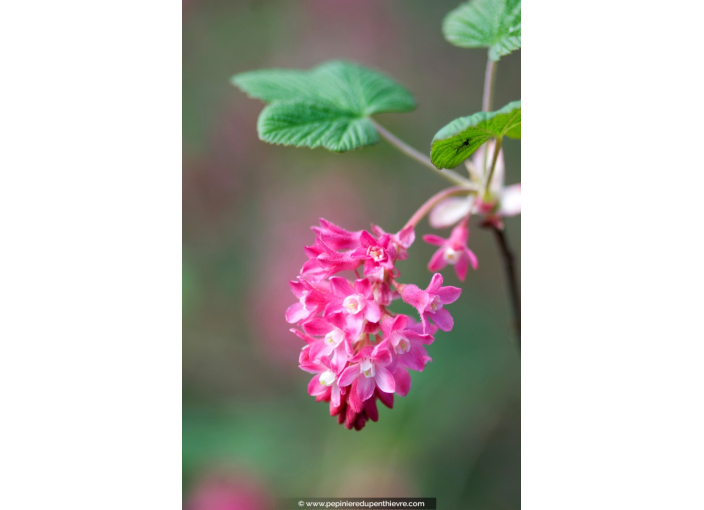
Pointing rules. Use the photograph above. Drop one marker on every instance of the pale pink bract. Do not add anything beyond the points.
(499, 202)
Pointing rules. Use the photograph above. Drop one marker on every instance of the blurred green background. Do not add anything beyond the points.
(250, 430)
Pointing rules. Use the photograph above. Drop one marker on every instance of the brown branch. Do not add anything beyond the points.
(510, 269)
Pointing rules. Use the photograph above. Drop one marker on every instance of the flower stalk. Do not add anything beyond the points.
(434, 200)
(487, 182)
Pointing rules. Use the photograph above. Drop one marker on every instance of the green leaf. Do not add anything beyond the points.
(311, 125)
(493, 24)
(327, 106)
(460, 138)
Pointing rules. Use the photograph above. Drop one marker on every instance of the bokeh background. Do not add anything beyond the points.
(251, 433)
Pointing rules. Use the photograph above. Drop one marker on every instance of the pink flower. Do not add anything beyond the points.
(310, 301)
(452, 251)
(325, 381)
(383, 293)
(357, 303)
(407, 343)
(357, 417)
(328, 261)
(357, 358)
(336, 343)
(401, 240)
(369, 370)
(430, 302)
(500, 201)
(336, 237)
(409, 346)
(379, 256)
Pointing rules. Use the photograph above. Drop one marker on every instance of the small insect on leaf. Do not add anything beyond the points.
(463, 144)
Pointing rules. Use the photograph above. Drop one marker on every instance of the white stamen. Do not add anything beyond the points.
(434, 305)
(327, 378)
(376, 252)
(354, 303)
(451, 255)
(402, 346)
(367, 367)
(334, 337)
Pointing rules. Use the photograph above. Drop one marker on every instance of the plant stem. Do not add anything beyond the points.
(510, 269)
(500, 234)
(434, 200)
(489, 77)
(497, 148)
(421, 158)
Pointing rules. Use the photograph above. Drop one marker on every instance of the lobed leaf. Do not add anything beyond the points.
(276, 85)
(310, 125)
(460, 138)
(327, 106)
(493, 24)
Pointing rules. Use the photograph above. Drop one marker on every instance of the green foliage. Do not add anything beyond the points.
(460, 138)
(327, 106)
(493, 24)
(310, 125)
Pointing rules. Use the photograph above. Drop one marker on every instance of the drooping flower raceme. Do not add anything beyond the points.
(356, 348)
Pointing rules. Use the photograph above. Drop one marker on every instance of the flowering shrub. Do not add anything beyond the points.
(357, 348)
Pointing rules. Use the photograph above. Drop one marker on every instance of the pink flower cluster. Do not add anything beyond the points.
(357, 348)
